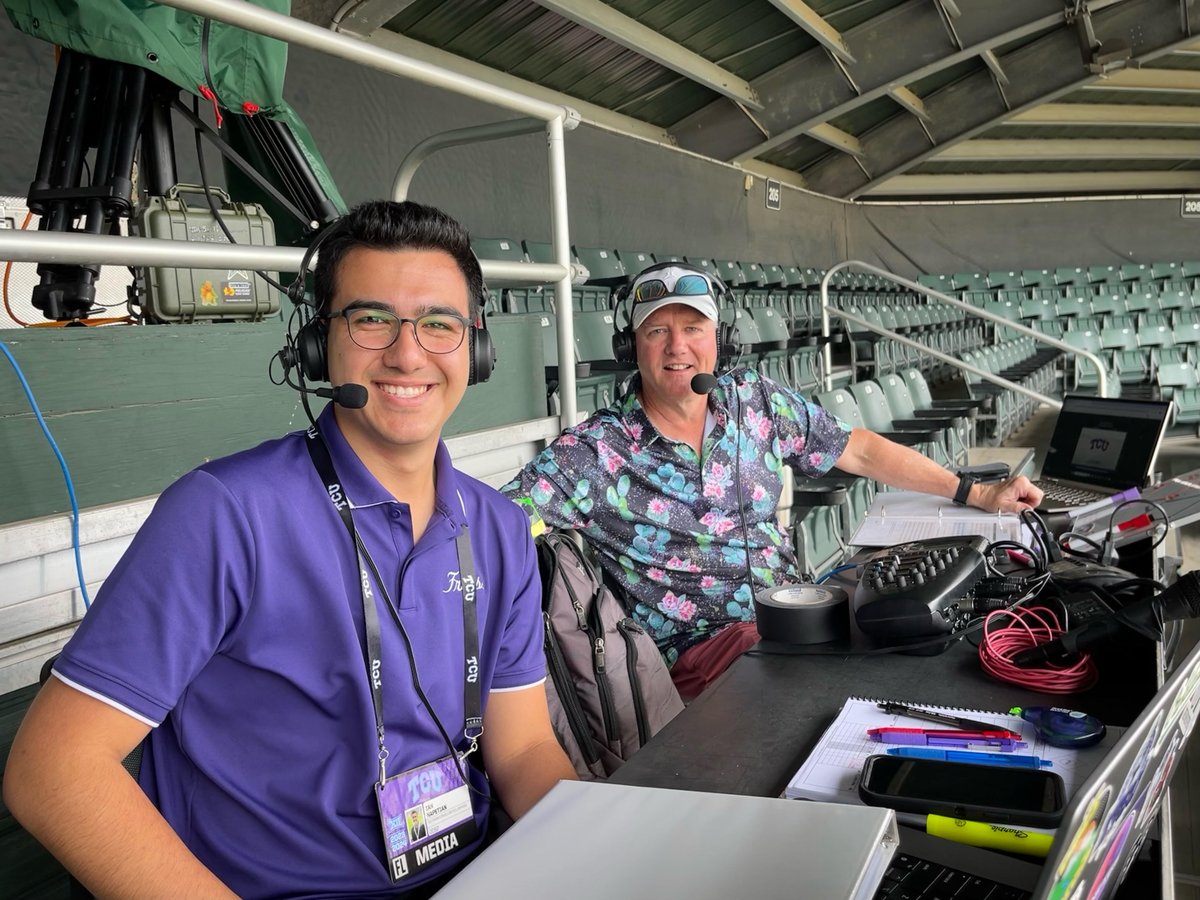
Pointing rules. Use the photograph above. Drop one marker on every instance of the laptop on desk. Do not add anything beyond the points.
(1102, 829)
(1100, 447)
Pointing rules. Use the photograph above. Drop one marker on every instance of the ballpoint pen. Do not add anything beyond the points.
(967, 756)
(916, 737)
(915, 712)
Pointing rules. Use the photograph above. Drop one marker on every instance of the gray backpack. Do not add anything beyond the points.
(608, 688)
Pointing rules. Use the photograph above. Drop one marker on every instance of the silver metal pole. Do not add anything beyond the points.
(105, 250)
(952, 360)
(475, 134)
(293, 31)
(561, 240)
(966, 307)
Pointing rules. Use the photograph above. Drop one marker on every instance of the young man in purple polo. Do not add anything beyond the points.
(676, 483)
(324, 637)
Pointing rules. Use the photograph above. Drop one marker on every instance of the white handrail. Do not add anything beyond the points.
(1102, 376)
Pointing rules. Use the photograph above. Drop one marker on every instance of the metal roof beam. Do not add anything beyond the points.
(821, 31)
(897, 47)
(909, 101)
(1041, 70)
(618, 27)
(362, 17)
(1150, 81)
(990, 60)
(837, 139)
(1032, 183)
(590, 113)
(986, 149)
(1107, 114)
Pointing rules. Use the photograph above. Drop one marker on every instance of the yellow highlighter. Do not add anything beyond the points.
(1013, 838)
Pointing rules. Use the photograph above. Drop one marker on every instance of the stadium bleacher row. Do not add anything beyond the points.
(1142, 321)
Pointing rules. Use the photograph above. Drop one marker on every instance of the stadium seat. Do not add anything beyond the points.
(1172, 377)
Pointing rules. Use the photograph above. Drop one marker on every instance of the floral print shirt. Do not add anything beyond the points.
(664, 522)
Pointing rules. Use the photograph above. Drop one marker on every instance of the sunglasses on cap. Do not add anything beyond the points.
(689, 285)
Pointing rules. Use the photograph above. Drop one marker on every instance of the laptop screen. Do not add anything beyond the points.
(1106, 442)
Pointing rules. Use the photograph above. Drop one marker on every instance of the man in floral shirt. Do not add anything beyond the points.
(653, 480)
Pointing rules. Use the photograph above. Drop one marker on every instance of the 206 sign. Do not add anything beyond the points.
(1190, 208)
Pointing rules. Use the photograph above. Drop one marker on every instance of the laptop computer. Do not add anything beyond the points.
(589, 840)
(1102, 829)
(1100, 447)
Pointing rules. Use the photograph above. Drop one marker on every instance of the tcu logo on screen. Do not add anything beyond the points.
(1099, 444)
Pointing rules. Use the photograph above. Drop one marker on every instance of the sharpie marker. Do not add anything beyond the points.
(1013, 838)
(987, 759)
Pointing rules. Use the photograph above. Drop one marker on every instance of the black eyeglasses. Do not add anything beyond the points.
(377, 329)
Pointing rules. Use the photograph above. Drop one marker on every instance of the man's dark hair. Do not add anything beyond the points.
(388, 225)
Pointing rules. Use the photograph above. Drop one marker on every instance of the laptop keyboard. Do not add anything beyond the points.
(909, 878)
(1067, 495)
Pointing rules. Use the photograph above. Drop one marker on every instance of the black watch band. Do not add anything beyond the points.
(965, 482)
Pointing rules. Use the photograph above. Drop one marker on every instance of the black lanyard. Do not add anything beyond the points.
(472, 696)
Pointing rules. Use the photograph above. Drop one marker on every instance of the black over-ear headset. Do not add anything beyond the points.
(729, 344)
(307, 349)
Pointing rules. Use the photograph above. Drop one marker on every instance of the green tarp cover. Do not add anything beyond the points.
(245, 67)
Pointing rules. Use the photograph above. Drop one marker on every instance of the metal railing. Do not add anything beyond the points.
(827, 310)
(554, 119)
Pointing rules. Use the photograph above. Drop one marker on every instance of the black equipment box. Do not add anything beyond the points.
(189, 295)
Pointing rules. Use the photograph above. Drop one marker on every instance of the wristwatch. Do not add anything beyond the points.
(965, 482)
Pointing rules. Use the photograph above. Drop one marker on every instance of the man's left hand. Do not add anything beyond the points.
(1014, 495)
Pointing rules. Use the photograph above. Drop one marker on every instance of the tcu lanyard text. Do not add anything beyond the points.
(473, 724)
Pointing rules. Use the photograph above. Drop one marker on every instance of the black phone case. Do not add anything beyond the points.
(992, 814)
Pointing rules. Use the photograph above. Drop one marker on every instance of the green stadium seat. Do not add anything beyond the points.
(706, 264)
(1133, 272)
(1010, 280)
(1164, 271)
(604, 266)
(1174, 294)
(1071, 276)
(635, 260)
(970, 281)
(1172, 377)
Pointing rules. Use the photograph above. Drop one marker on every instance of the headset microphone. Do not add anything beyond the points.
(349, 396)
(703, 383)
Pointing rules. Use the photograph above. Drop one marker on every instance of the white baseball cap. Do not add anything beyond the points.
(661, 286)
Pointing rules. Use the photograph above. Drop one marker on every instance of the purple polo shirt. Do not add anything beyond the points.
(235, 621)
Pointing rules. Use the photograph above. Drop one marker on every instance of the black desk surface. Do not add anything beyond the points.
(750, 731)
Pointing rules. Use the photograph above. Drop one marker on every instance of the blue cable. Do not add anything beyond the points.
(87, 601)
(834, 571)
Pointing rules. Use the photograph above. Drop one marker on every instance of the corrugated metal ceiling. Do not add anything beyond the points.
(866, 99)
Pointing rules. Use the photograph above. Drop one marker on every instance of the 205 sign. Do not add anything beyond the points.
(1190, 208)
(775, 194)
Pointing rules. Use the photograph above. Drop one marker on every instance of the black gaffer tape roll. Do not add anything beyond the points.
(802, 614)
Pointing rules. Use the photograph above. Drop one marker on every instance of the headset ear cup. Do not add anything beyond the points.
(311, 344)
(482, 356)
(729, 344)
(624, 346)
